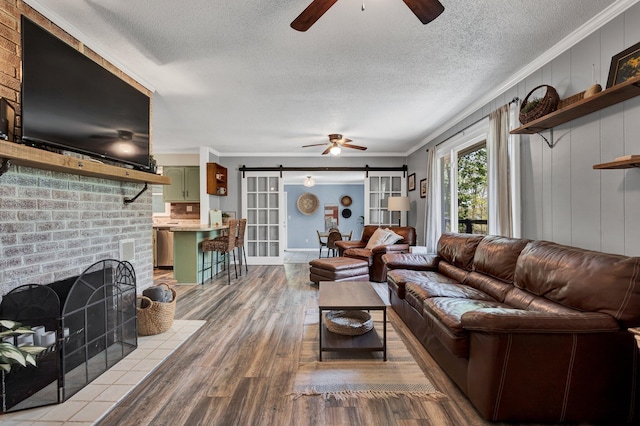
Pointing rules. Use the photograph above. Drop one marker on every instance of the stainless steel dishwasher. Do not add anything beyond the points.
(164, 241)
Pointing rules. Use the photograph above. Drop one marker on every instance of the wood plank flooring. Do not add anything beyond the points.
(238, 369)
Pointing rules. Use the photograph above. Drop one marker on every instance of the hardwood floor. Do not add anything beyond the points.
(239, 368)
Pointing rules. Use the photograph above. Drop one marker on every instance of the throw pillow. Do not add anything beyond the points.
(378, 238)
(392, 238)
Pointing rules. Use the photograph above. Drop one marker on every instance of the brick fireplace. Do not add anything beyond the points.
(54, 225)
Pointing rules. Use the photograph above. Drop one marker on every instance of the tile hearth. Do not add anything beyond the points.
(94, 401)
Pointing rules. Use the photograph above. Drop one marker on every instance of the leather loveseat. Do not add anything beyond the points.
(530, 331)
(357, 249)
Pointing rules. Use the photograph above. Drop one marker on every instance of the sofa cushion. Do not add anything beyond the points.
(400, 277)
(497, 256)
(445, 268)
(495, 288)
(417, 292)
(458, 249)
(502, 320)
(447, 312)
(582, 279)
(377, 239)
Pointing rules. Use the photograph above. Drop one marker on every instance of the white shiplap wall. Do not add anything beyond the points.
(564, 199)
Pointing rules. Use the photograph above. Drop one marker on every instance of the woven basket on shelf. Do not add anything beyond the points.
(547, 104)
(348, 323)
(155, 317)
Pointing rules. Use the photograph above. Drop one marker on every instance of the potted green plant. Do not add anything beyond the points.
(11, 354)
(530, 105)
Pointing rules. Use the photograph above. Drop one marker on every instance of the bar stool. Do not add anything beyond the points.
(242, 226)
(226, 245)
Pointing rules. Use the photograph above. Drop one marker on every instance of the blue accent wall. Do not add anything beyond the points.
(301, 228)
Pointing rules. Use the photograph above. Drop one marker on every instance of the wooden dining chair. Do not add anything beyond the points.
(321, 243)
(331, 242)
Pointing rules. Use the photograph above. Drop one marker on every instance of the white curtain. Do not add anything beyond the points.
(506, 171)
(431, 225)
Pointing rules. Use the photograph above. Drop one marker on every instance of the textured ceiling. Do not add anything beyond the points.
(234, 76)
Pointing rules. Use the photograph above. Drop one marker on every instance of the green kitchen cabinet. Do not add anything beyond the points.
(185, 184)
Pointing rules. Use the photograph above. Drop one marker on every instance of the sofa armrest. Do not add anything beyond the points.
(393, 248)
(348, 244)
(415, 262)
(504, 320)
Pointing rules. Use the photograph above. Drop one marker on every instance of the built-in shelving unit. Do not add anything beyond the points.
(40, 159)
(611, 96)
(217, 179)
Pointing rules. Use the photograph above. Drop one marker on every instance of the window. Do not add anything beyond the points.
(472, 190)
(463, 171)
(466, 184)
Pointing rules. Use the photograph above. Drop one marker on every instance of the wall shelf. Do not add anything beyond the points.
(619, 164)
(40, 159)
(217, 179)
(611, 96)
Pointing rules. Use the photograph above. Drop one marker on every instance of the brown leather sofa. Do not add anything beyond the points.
(356, 249)
(530, 331)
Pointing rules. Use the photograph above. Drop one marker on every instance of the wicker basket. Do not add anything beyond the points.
(547, 104)
(348, 323)
(155, 317)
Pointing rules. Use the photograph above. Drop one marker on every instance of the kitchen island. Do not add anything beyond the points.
(187, 252)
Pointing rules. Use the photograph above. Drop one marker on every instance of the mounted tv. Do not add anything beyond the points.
(70, 102)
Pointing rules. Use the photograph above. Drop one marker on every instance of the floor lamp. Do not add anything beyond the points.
(399, 204)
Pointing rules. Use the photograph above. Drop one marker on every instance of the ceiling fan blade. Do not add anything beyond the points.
(326, 151)
(361, 148)
(425, 10)
(315, 144)
(343, 141)
(311, 14)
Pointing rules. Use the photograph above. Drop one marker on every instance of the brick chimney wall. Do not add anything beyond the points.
(54, 225)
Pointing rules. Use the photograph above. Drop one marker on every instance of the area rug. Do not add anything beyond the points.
(359, 374)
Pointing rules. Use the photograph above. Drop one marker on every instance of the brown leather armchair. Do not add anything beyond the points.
(377, 268)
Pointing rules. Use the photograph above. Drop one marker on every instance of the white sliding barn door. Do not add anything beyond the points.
(378, 187)
(263, 206)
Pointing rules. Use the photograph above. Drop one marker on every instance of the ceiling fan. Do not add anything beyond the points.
(425, 10)
(120, 135)
(336, 142)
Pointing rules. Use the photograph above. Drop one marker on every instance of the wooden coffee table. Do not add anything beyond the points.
(350, 295)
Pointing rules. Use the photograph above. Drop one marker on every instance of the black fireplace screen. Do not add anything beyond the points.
(95, 324)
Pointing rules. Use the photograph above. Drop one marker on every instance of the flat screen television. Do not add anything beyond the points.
(71, 102)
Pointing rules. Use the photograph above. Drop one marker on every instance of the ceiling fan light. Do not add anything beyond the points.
(308, 182)
(335, 150)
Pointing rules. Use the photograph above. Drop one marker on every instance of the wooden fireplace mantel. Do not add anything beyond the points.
(40, 159)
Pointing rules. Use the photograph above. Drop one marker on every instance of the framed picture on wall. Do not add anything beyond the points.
(624, 66)
(330, 216)
(423, 188)
(412, 182)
